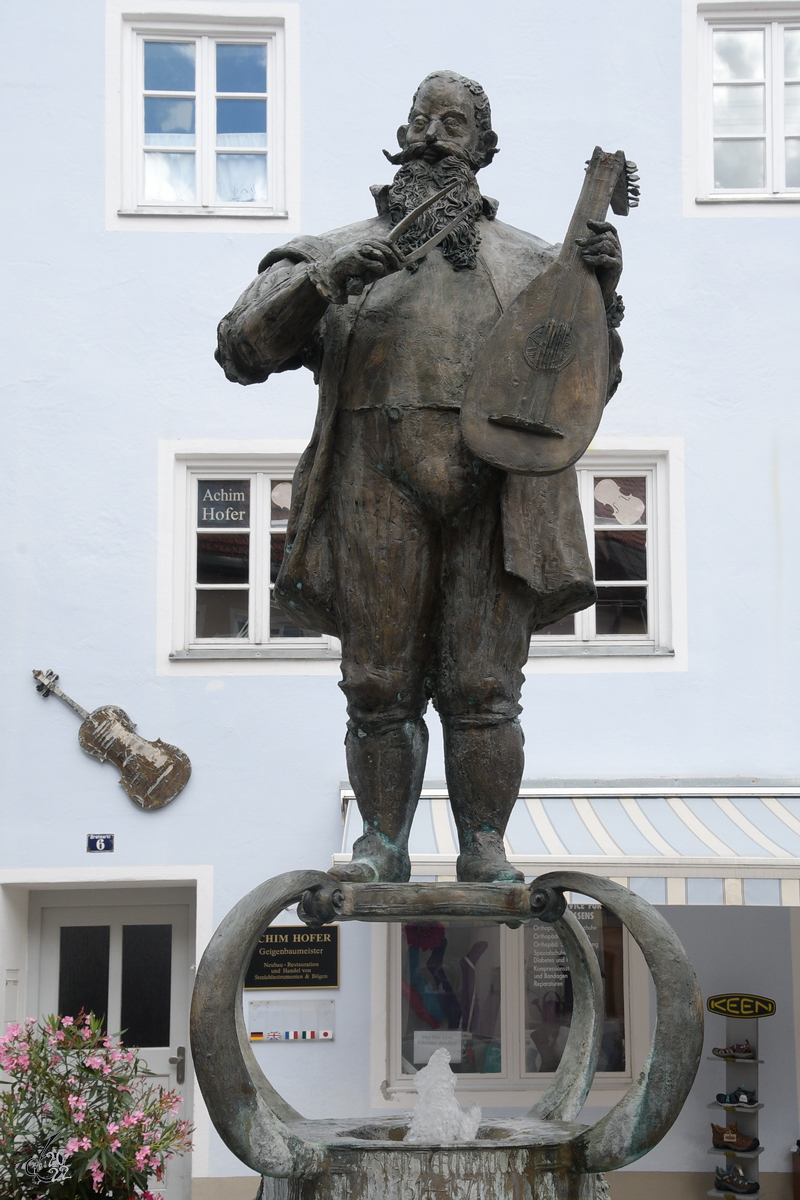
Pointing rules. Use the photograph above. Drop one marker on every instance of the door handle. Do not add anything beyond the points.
(179, 1062)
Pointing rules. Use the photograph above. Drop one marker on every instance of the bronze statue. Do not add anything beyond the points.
(433, 566)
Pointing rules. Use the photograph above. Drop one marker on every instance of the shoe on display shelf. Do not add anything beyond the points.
(735, 1181)
(737, 1050)
(738, 1098)
(727, 1137)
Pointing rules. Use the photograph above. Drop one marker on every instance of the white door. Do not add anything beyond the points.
(131, 961)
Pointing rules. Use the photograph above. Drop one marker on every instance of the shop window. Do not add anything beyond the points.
(625, 503)
(202, 114)
(749, 79)
(229, 538)
(500, 1000)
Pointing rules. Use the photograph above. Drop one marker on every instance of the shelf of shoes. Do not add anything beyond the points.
(741, 1074)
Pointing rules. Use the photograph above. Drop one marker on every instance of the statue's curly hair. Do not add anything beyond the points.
(483, 112)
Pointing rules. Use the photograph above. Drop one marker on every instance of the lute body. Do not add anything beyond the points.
(152, 773)
(540, 382)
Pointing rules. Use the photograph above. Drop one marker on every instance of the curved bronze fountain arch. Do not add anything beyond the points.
(542, 1155)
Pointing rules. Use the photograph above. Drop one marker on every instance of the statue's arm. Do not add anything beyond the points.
(601, 250)
(271, 324)
(274, 324)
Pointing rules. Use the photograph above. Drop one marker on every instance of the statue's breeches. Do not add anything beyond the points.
(424, 603)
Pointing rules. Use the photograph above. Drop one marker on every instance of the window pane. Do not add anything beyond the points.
(281, 626)
(793, 162)
(83, 970)
(168, 122)
(620, 501)
(739, 109)
(223, 558)
(222, 614)
(241, 68)
(169, 66)
(548, 991)
(276, 549)
(242, 178)
(223, 503)
(168, 178)
(451, 994)
(281, 497)
(565, 626)
(146, 984)
(621, 611)
(791, 54)
(738, 54)
(241, 122)
(791, 94)
(620, 555)
(739, 164)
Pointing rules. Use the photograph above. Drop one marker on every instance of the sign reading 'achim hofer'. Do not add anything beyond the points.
(291, 956)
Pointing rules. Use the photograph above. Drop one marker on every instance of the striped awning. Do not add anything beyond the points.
(692, 843)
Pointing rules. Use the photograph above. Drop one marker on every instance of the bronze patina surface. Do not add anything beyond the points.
(433, 565)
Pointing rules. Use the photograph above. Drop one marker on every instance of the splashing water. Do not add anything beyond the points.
(437, 1115)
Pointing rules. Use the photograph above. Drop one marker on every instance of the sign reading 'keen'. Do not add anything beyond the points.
(738, 1004)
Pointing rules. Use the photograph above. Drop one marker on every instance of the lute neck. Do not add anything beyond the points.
(602, 174)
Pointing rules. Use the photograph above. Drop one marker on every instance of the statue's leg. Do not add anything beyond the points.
(386, 564)
(486, 620)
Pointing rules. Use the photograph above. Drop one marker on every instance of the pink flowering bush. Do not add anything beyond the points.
(78, 1117)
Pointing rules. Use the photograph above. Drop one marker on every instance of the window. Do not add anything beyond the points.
(499, 1000)
(233, 536)
(202, 113)
(749, 71)
(624, 499)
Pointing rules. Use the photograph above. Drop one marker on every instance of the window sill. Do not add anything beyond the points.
(203, 653)
(260, 214)
(750, 198)
(595, 650)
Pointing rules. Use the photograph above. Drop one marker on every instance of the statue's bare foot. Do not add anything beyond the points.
(375, 860)
(485, 862)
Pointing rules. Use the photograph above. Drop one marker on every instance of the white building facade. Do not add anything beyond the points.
(183, 140)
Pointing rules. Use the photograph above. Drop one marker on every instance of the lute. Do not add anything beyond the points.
(540, 383)
(152, 773)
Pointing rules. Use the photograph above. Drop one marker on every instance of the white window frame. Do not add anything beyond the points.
(511, 1086)
(701, 198)
(276, 25)
(660, 460)
(182, 464)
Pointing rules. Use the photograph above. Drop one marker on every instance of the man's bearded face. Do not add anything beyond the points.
(442, 146)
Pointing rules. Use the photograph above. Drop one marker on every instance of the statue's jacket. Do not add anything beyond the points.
(543, 533)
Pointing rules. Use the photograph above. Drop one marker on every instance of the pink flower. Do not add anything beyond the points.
(112, 1126)
(94, 1061)
(72, 1145)
(85, 1144)
(67, 1021)
(115, 1144)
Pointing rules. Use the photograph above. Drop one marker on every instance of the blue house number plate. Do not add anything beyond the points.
(99, 843)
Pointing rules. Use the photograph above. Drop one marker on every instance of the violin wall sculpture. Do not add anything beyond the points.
(152, 773)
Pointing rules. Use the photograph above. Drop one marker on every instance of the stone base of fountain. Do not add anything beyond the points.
(516, 1159)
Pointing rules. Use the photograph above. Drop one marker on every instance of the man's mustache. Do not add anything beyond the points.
(419, 149)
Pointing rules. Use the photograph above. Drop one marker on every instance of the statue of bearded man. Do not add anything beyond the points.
(432, 567)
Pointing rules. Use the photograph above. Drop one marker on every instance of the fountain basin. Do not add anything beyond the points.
(511, 1159)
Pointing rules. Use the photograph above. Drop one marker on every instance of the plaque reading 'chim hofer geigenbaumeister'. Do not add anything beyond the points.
(291, 956)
